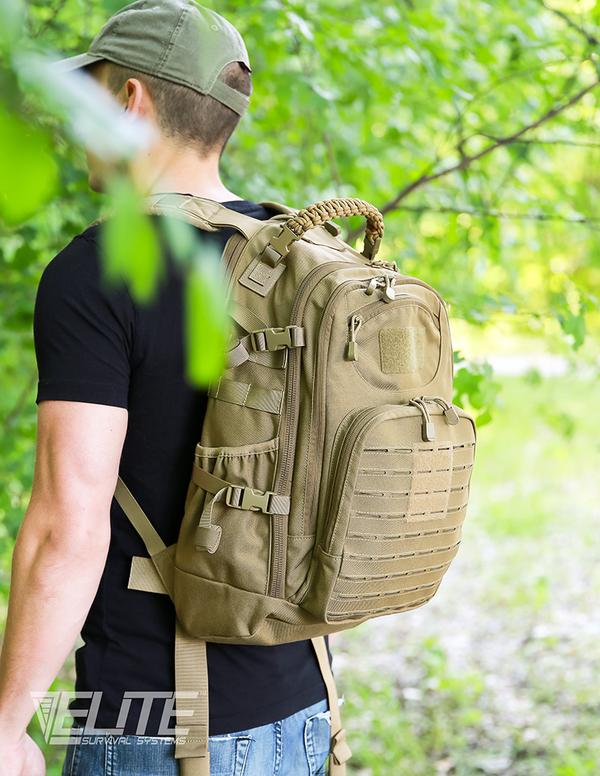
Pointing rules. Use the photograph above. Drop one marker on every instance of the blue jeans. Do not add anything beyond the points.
(295, 746)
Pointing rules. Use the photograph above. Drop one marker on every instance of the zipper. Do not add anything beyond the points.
(288, 443)
(351, 346)
(428, 429)
(400, 297)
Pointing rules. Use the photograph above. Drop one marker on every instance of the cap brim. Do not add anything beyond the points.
(75, 63)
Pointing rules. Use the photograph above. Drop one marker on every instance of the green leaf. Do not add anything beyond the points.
(129, 242)
(28, 171)
(206, 319)
(573, 324)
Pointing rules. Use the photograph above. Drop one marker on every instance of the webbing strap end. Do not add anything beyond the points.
(194, 766)
(208, 537)
(339, 747)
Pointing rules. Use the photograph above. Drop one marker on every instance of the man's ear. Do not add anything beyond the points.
(134, 92)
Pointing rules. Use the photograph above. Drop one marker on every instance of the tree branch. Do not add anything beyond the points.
(550, 141)
(502, 214)
(469, 159)
(591, 39)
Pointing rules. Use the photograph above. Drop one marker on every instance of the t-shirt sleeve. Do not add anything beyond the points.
(83, 330)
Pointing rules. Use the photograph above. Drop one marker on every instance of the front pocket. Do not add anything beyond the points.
(242, 556)
(396, 507)
(398, 343)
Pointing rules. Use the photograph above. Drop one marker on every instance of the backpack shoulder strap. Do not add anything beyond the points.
(278, 207)
(207, 214)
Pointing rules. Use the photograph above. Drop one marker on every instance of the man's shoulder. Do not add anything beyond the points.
(76, 275)
(250, 208)
(82, 254)
(79, 257)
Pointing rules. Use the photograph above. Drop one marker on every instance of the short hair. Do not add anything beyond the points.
(185, 114)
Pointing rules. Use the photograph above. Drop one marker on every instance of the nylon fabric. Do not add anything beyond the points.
(154, 544)
(191, 677)
(246, 395)
(143, 576)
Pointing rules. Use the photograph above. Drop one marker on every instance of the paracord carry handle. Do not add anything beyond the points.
(318, 214)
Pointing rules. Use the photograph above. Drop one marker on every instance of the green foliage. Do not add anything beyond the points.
(475, 385)
(129, 242)
(27, 179)
(422, 108)
(207, 325)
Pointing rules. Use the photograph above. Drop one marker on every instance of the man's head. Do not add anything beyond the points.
(179, 65)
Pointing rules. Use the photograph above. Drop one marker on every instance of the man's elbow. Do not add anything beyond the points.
(65, 532)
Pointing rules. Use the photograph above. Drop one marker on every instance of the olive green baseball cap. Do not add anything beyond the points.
(178, 40)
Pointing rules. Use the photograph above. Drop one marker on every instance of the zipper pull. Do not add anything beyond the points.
(373, 283)
(389, 294)
(449, 412)
(428, 429)
(352, 346)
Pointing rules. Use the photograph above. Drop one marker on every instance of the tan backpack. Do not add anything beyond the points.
(332, 475)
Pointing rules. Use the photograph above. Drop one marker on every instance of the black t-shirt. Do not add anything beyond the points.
(94, 343)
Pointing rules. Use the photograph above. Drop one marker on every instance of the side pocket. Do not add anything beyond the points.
(241, 559)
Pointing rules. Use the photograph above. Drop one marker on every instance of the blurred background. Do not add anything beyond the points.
(474, 126)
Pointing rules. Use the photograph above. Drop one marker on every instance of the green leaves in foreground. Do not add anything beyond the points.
(207, 325)
(132, 253)
(129, 242)
(12, 15)
(28, 171)
(206, 319)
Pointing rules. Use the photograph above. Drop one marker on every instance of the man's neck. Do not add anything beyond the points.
(185, 172)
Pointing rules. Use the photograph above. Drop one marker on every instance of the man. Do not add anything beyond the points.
(113, 399)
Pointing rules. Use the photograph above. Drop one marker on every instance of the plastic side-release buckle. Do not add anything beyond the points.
(277, 338)
(249, 498)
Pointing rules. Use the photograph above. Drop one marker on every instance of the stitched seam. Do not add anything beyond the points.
(75, 758)
(241, 757)
(108, 756)
(278, 748)
(171, 40)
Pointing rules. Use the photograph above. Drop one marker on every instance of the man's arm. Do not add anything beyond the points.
(59, 557)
